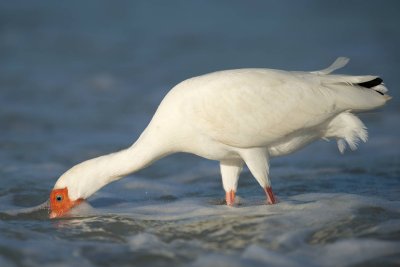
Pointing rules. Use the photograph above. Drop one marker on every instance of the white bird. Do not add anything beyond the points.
(236, 117)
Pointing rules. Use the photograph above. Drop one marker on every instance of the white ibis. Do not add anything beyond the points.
(237, 117)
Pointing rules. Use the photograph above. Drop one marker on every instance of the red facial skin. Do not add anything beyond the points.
(60, 202)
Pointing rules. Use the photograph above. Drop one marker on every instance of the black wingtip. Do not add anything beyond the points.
(371, 83)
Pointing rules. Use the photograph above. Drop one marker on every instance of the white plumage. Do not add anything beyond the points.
(241, 117)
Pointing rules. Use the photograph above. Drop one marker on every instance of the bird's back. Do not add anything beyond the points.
(255, 107)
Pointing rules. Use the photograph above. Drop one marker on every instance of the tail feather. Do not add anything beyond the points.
(366, 81)
(380, 89)
(357, 93)
(348, 79)
(357, 98)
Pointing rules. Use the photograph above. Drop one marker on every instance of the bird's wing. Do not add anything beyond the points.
(255, 107)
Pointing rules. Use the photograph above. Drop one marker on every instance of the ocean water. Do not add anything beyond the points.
(78, 80)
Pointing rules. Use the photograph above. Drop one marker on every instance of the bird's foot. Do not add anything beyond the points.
(270, 195)
(230, 198)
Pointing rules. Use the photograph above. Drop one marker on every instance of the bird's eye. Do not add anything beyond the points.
(59, 198)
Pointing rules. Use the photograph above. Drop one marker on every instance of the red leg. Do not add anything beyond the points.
(270, 195)
(230, 198)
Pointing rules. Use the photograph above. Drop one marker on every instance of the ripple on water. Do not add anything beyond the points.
(194, 231)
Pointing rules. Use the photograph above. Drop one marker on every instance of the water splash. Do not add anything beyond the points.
(39, 212)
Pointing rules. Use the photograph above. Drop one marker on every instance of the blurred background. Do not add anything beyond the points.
(69, 67)
(82, 78)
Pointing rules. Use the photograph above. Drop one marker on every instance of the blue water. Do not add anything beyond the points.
(81, 79)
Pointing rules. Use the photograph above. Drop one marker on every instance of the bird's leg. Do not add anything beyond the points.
(230, 197)
(257, 161)
(230, 171)
(270, 195)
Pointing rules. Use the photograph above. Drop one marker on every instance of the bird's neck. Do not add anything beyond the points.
(119, 164)
(98, 172)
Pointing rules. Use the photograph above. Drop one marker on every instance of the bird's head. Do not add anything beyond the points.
(76, 185)
(61, 203)
(71, 189)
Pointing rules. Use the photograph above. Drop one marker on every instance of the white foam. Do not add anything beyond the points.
(149, 242)
(347, 252)
(18, 211)
(305, 208)
(289, 233)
